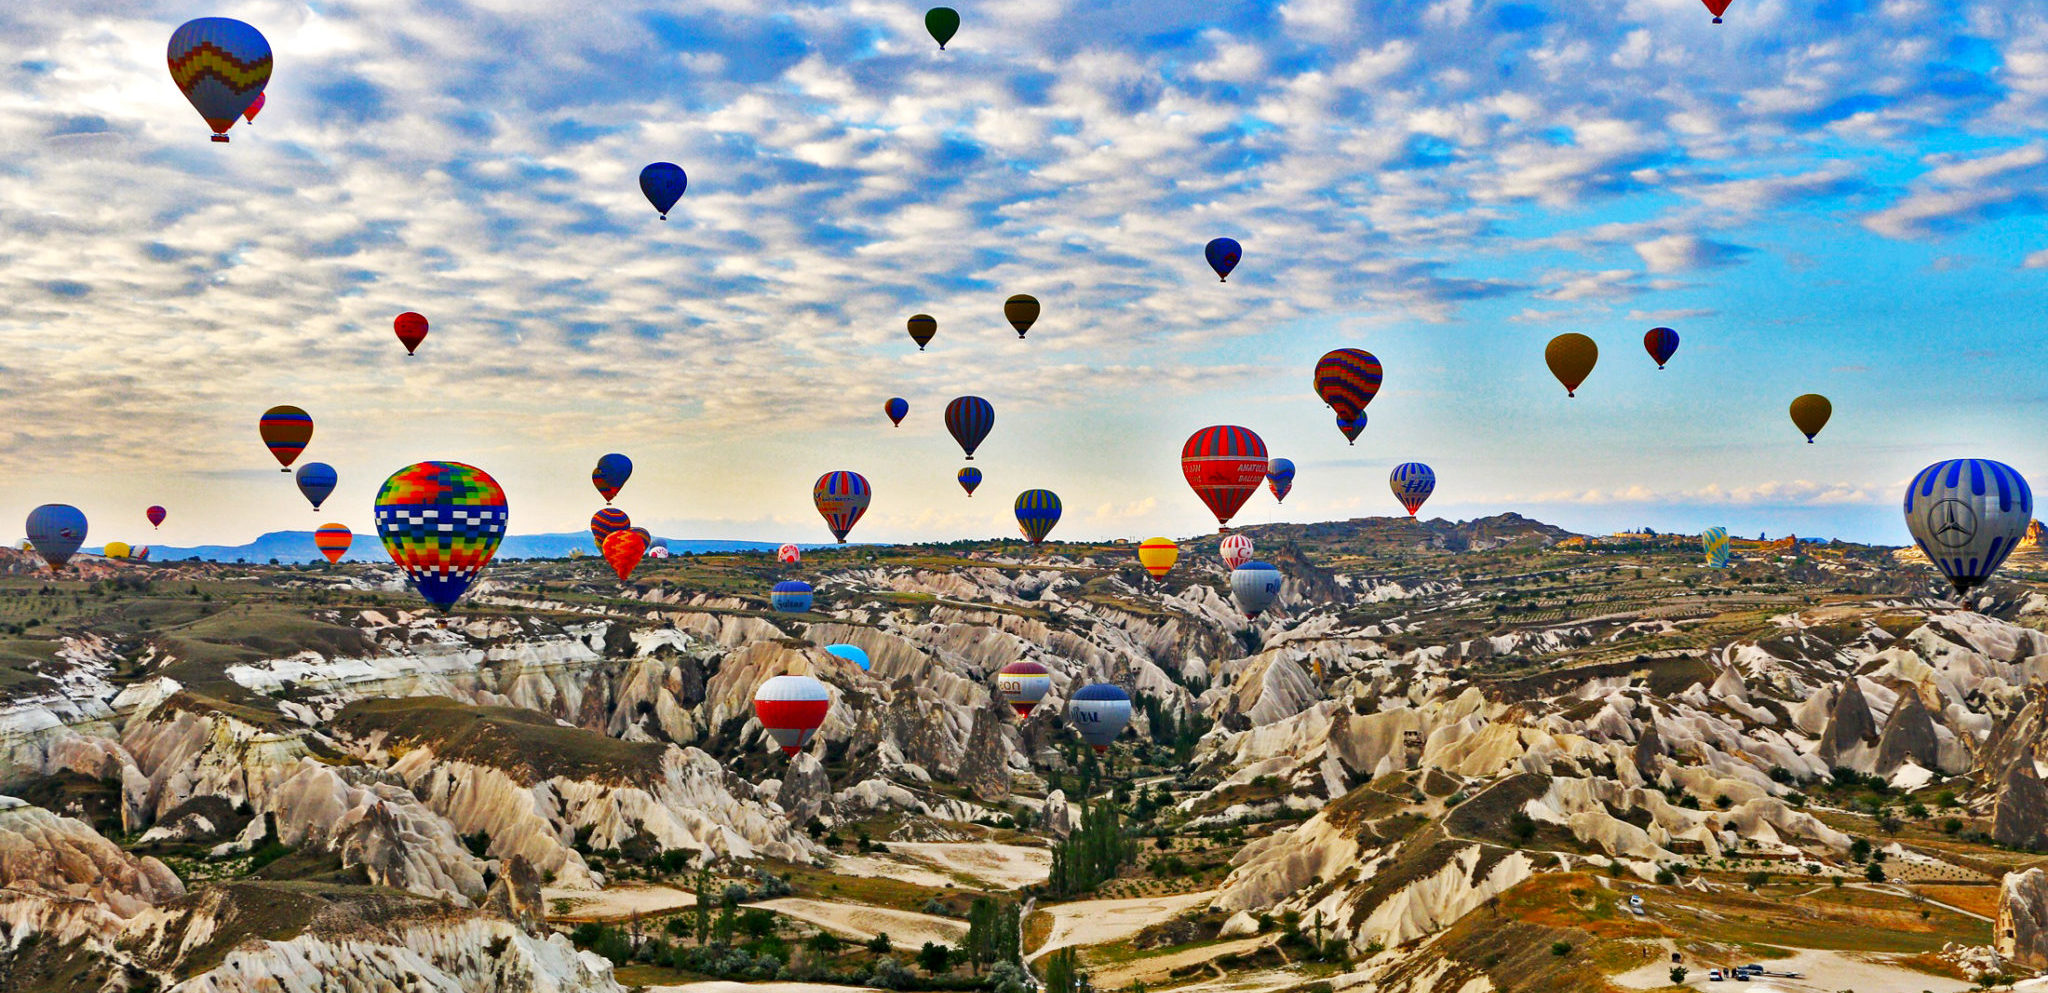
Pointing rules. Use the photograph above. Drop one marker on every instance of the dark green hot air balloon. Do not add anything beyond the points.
(942, 22)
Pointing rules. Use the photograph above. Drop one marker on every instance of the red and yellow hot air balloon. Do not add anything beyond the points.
(333, 540)
(1158, 555)
(221, 65)
(623, 551)
(286, 430)
(1225, 464)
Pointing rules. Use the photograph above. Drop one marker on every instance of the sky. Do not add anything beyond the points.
(1831, 196)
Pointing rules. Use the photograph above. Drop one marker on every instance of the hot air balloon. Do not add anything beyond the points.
(1571, 357)
(1412, 483)
(645, 535)
(922, 328)
(115, 550)
(1714, 541)
(411, 329)
(611, 474)
(1235, 550)
(791, 596)
(316, 481)
(623, 551)
(1254, 585)
(852, 653)
(792, 709)
(1158, 555)
(1037, 512)
(1023, 685)
(1661, 343)
(1223, 255)
(140, 553)
(663, 184)
(1099, 713)
(255, 107)
(333, 540)
(221, 65)
(657, 551)
(441, 522)
(156, 516)
(1021, 311)
(56, 530)
(942, 22)
(1967, 515)
(606, 523)
(1810, 413)
(789, 554)
(1717, 8)
(970, 419)
(286, 430)
(1347, 379)
(842, 496)
(1280, 478)
(970, 477)
(1224, 464)
(897, 408)
(1351, 426)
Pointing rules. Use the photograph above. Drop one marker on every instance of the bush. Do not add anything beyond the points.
(1560, 948)
(1678, 975)
(890, 974)
(1666, 877)
(1875, 873)
(879, 944)
(1758, 880)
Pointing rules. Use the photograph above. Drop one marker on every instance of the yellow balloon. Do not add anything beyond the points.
(1571, 358)
(1810, 413)
(1158, 555)
(117, 550)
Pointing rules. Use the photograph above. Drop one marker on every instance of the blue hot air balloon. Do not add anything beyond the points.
(1351, 426)
(897, 408)
(1224, 254)
(56, 530)
(1099, 713)
(1280, 477)
(1714, 541)
(853, 654)
(1254, 585)
(970, 477)
(1412, 483)
(791, 596)
(611, 474)
(1967, 515)
(970, 418)
(316, 482)
(663, 183)
(1037, 512)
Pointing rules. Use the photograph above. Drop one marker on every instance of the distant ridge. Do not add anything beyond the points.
(297, 546)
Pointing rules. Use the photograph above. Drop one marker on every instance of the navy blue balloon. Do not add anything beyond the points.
(316, 481)
(663, 182)
(56, 530)
(611, 474)
(1223, 254)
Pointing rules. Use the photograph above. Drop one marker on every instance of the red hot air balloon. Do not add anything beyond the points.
(411, 328)
(156, 516)
(792, 709)
(1716, 8)
(1225, 464)
(1347, 379)
(623, 550)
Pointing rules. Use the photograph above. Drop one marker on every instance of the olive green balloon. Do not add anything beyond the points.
(942, 22)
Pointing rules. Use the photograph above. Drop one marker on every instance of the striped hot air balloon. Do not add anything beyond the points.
(970, 419)
(791, 596)
(841, 497)
(606, 523)
(1254, 585)
(286, 430)
(1158, 555)
(969, 477)
(1352, 427)
(1037, 512)
(792, 709)
(789, 554)
(1714, 541)
(1021, 311)
(1280, 478)
(1967, 515)
(1023, 685)
(441, 522)
(611, 474)
(1661, 343)
(1236, 550)
(623, 551)
(922, 328)
(1347, 379)
(1099, 713)
(221, 65)
(333, 540)
(1412, 483)
(1224, 464)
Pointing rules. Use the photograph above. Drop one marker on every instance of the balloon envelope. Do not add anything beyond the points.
(922, 327)
(606, 523)
(611, 474)
(792, 709)
(156, 516)
(841, 497)
(1412, 483)
(1661, 343)
(1351, 426)
(1347, 379)
(1571, 357)
(942, 22)
(970, 477)
(897, 408)
(1280, 477)
(411, 329)
(333, 540)
(1021, 311)
(316, 482)
(791, 596)
(1810, 413)
(1099, 713)
(115, 550)
(56, 530)
(970, 419)
(663, 184)
(1717, 8)
(1037, 512)
(286, 430)
(1254, 585)
(623, 551)
(255, 107)
(441, 522)
(789, 554)
(852, 653)
(1023, 685)
(1235, 549)
(1967, 515)
(1223, 254)
(1158, 555)
(1714, 542)
(1224, 464)
(221, 65)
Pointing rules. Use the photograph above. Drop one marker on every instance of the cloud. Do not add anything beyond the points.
(1686, 253)
(1958, 191)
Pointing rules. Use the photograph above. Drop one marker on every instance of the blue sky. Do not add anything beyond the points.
(1840, 197)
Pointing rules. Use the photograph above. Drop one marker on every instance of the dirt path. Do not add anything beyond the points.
(1155, 969)
(1825, 972)
(1095, 922)
(861, 921)
(1006, 867)
(615, 903)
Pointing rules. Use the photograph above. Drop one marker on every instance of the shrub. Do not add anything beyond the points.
(1560, 948)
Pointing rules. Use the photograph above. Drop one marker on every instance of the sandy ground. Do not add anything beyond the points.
(1001, 866)
(724, 986)
(614, 904)
(1093, 922)
(1154, 969)
(884, 867)
(861, 921)
(1826, 972)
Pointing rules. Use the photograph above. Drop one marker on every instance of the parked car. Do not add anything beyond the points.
(1713, 975)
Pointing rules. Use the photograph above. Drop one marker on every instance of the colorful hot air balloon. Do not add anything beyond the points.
(1224, 255)
(1099, 712)
(156, 516)
(255, 107)
(789, 554)
(1021, 311)
(897, 408)
(623, 551)
(852, 653)
(970, 419)
(1714, 541)
(1967, 515)
(1571, 357)
(663, 184)
(221, 65)
(1280, 478)
(1235, 550)
(1412, 483)
(333, 540)
(792, 709)
(646, 536)
(1810, 413)
(441, 522)
(56, 530)
(791, 596)
(1347, 379)
(286, 430)
(411, 329)
(842, 496)
(115, 550)
(1158, 555)
(316, 481)
(1224, 464)
(1351, 426)
(1023, 685)
(1717, 8)
(608, 522)
(1254, 585)
(942, 22)
(1037, 512)
(611, 474)
(1661, 343)
(922, 328)
(970, 477)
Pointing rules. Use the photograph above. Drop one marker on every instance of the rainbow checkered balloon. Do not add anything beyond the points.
(441, 522)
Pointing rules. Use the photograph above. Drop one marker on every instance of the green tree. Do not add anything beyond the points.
(933, 958)
(879, 944)
(1060, 973)
(1678, 975)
